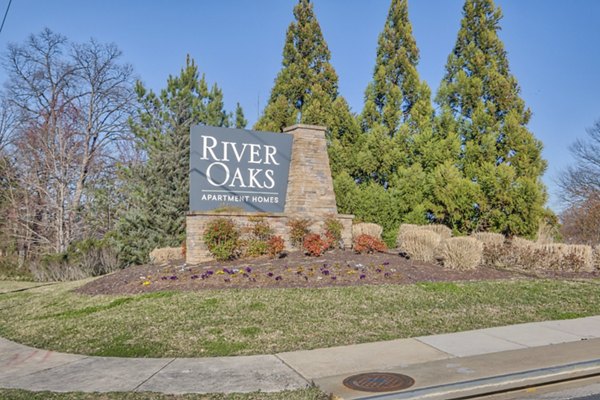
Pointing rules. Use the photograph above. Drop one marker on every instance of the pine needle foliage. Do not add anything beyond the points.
(500, 159)
(158, 189)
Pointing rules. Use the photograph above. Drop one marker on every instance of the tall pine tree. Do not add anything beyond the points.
(306, 90)
(397, 122)
(158, 190)
(498, 152)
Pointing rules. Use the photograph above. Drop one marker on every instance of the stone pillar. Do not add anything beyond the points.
(310, 187)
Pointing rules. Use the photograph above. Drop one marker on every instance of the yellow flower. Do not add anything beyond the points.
(146, 283)
(220, 272)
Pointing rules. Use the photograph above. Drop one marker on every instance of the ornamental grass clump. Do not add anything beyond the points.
(527, 255)
(461, 253)
(567, 257)
(493, 246)
(222, 236)
(366, 228)
(596, 257)
(441, 230)
(419, 244)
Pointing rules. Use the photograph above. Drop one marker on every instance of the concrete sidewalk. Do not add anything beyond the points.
(441, 365)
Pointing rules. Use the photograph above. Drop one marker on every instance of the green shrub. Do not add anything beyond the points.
(221, 236)
(255, 248)
(260, 230)
(299, 228)
(333, 231)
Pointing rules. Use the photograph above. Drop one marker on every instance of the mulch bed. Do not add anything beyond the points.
(334, 268)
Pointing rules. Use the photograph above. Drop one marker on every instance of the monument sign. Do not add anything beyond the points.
(238, 168)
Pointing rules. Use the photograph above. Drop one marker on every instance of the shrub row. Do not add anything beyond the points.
(433, 243)
(225, 240)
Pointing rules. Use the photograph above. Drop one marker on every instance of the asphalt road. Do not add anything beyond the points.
(584, 389)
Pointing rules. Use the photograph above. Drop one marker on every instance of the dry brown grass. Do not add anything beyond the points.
(441, 230)
(596, 257)
(546, 233)
(461, 253)
(420, 244)
(165, 254)
(493, 246)
(366, 228)
(568, 257)
(489, 238)
(527, 255)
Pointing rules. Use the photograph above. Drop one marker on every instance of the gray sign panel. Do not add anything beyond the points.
(238, 168)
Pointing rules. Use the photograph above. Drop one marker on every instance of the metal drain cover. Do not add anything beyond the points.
(378, 382)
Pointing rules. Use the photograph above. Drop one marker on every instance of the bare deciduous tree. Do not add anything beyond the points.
(72, 103)
(580, 191)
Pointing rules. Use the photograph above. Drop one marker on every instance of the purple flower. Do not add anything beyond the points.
(164, 278)
(378, 270)
(270, 274)
(209, 272)
(226, 271)
(278, 278)
(173, 278)
(333, 278)
(386, 263)
(326, 272)
(362, 276)
(248, 269)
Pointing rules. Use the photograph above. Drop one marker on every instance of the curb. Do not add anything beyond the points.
(497, 384)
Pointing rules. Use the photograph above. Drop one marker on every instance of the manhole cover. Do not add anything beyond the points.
(378, 382)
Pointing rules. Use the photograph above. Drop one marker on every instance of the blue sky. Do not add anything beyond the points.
(552, 47)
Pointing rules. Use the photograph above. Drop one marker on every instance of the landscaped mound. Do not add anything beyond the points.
(334, 268)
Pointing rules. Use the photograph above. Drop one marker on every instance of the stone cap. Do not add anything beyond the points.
(304, 126)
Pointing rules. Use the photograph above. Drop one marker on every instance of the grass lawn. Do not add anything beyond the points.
(304, 394)
(15, 286)
(263, 321)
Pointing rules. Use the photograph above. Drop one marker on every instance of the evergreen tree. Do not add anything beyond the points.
(240, 120)
(158, 190)
(396, 88)
(398, 125)
(498, 153)
(307, 75)
(306, 90)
